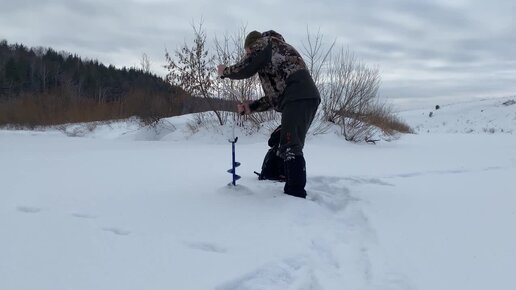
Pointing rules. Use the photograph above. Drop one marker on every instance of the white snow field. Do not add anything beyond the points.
(127, 208)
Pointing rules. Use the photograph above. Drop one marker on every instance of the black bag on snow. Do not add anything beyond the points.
(273, 167)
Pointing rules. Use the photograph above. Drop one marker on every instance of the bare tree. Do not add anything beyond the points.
(145, 63)
(192, 69)
(350, 94)
(349, 88)
(316, 54)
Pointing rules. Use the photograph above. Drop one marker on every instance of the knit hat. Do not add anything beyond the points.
(251, 38)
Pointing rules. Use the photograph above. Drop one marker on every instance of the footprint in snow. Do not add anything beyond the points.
(396, 281)
(117, 231)
(329, 192)
(28, 209)
(83, 215)
(291, 273)
(207, 247)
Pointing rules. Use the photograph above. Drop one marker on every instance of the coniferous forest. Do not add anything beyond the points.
(40, 86)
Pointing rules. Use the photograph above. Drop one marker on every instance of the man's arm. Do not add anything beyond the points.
(250, 65)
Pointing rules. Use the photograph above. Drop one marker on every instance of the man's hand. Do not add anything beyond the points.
(220, 69)
(243, 109)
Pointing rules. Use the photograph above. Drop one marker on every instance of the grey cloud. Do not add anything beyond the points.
(426, 48)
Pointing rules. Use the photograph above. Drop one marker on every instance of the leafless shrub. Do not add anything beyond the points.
(349, 91)
(348, 94)
(191, 68)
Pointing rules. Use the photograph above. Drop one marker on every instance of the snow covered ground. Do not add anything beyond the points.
(128, 208)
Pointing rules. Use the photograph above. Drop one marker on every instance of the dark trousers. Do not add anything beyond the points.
(296, 119)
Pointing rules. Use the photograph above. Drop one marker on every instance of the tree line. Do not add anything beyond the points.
(40, 87)
(26, 70)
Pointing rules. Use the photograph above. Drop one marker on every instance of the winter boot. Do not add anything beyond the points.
(295, 171)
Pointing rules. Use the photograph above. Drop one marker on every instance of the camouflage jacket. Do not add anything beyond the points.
(282, 71)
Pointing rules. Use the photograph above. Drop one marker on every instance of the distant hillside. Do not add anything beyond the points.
(26, 70)
(41, 87)
(487, 116)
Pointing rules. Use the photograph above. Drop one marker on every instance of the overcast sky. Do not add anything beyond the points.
(427, 51)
